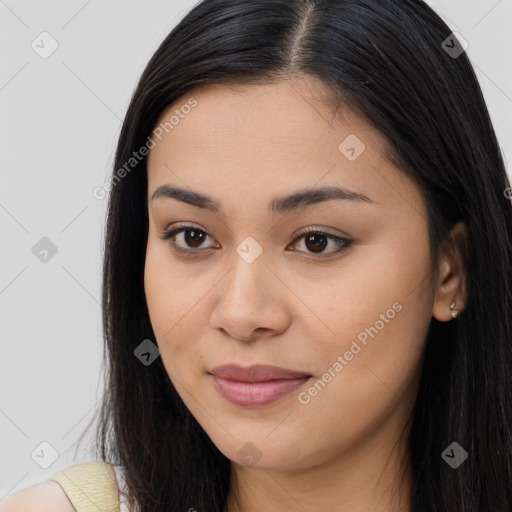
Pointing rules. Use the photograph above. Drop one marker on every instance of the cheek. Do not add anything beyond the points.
(366, 374)
(175, 308)
(170, 294)
(380, 317)
(369, 286)
(159, 288)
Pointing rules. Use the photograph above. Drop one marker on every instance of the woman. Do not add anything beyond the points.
(307, 277)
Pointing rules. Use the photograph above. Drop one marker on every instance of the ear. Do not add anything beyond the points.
(451, 285)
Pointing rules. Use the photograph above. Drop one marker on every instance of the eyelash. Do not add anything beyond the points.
(168, 235)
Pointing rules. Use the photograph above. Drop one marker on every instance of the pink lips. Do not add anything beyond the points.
(256, 385)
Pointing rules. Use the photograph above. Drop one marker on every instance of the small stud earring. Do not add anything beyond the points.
(453, 309)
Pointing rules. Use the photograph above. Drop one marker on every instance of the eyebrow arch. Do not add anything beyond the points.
(281, 205)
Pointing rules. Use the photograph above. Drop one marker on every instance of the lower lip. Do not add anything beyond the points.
(251, 394)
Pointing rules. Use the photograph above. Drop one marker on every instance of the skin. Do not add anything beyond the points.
(245, 146)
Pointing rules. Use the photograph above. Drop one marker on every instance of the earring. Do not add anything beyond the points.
(453, 309)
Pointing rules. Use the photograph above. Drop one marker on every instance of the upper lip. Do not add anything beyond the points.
(256, 373)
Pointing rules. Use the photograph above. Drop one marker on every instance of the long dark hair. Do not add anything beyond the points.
(387, 62)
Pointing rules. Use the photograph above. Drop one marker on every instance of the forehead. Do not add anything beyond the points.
(258, 140)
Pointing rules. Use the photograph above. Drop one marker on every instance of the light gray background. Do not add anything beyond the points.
(59, 121)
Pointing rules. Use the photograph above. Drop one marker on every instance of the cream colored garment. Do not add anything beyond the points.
(90, 486)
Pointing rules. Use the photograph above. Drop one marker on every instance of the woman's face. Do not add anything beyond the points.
(243, 285)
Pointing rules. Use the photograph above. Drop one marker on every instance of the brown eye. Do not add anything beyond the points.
(194, 237)
(191, 240)
(316, 242)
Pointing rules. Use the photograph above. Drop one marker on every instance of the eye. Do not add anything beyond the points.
(316, 241)
(193, 238)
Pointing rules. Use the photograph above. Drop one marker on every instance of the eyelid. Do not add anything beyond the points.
(309, 229)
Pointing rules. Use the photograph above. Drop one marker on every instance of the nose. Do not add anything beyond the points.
(251, 302)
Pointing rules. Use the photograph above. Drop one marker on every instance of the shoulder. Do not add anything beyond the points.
(68, 490)
(47, 496)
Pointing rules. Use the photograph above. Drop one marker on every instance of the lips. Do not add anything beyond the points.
(256, 373)
(257, 385)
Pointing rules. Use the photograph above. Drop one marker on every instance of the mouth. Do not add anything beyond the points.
(257, 385)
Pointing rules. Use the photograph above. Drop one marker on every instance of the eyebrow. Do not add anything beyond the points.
(280, 205)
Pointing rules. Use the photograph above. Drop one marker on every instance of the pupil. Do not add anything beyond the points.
(193, 241)
(316, 245)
